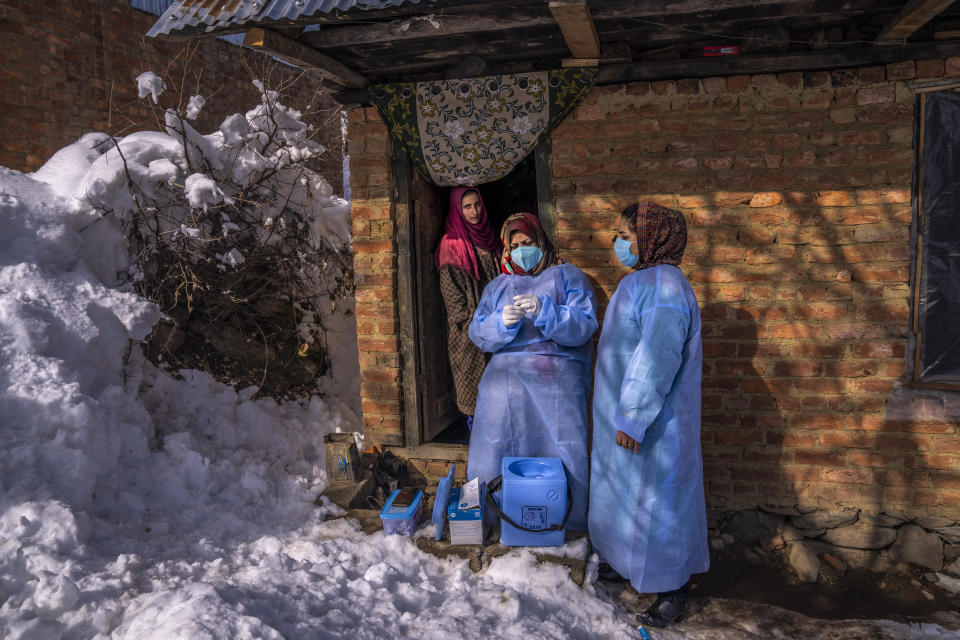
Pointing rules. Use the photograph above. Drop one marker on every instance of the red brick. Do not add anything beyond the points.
(366, 212)
(849, 476)
(820, 421)
(906, 443)
(738, 83)
(901, 70)
(801, 473)
(378, 391)
(929, 68)
(851, 439)
(372, 246)
(380, 407)
(382, 344)
(870, 75)
(660, 87)
(688, 86)
(883, 195)
(819, 457)
(381, 375)
(873, 459)
(952, 66)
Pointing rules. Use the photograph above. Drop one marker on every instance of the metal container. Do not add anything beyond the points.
(343, 461)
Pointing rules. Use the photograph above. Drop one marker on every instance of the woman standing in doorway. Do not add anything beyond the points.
(647, 511)
(467, 260)
(536, 319)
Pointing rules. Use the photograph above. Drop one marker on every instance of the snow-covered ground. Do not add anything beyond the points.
(136, 506)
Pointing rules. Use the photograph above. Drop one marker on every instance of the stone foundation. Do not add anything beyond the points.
(815, 543)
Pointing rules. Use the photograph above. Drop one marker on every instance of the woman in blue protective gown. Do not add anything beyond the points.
(536, 319)
(647, 511)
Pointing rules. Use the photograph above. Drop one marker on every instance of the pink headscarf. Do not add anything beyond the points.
(460, 237)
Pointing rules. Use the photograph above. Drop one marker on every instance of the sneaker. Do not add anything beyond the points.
(665, 611)
(608, 574)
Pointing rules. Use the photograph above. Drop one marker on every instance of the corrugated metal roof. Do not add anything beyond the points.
(207, 15)
(156, 7)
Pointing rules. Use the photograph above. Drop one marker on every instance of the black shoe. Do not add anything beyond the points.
(665, 611)
(608, 574)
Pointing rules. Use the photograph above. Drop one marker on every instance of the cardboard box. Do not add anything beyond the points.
(466, 525)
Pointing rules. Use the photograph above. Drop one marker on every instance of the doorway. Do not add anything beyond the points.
(430, 410)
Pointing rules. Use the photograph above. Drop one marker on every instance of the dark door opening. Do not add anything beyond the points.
(434, 418)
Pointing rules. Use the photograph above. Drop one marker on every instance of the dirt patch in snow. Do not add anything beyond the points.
(857, 593)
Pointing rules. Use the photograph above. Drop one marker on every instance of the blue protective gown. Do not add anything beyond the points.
(532, 400)
(647, 513)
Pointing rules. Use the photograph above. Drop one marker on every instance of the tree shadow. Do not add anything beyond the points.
(743, 429)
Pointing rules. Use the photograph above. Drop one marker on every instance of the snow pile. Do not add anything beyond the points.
(101, 459)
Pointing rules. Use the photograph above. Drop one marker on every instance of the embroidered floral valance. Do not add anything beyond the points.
(476, 130)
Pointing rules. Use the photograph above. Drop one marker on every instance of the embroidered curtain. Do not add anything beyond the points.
(475, 130)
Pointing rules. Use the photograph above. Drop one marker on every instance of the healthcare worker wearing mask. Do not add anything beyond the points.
(536, 319)
(647, 511)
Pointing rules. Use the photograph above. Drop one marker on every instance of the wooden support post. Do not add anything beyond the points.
(914, 15)
(573, 18)
(300, 55)
(406, 296)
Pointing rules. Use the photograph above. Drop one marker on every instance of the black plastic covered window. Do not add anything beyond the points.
(937, 321)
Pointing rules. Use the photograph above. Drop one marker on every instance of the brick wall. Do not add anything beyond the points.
(796, 190)
(375, 269)
(68, 68)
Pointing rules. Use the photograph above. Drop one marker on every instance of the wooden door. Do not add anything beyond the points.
(438, 399)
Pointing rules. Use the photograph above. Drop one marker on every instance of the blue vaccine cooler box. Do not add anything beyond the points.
(535, 496)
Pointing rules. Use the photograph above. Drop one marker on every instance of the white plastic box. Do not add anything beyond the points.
(402, 520)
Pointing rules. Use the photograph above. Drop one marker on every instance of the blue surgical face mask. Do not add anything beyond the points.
(622, 248)
(527, 257)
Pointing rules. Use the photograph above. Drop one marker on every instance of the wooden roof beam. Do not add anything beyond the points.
(300, 55)
(739, 65)
(773, 63)
(573, 18)
(352, 35)
(914, 15)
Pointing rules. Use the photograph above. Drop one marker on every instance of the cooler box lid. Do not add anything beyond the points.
(440, 501)
(390, 512)
(527, 469)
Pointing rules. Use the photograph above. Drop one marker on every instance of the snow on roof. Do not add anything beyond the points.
(191, 15)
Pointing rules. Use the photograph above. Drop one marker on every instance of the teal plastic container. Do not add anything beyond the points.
(535, 496)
